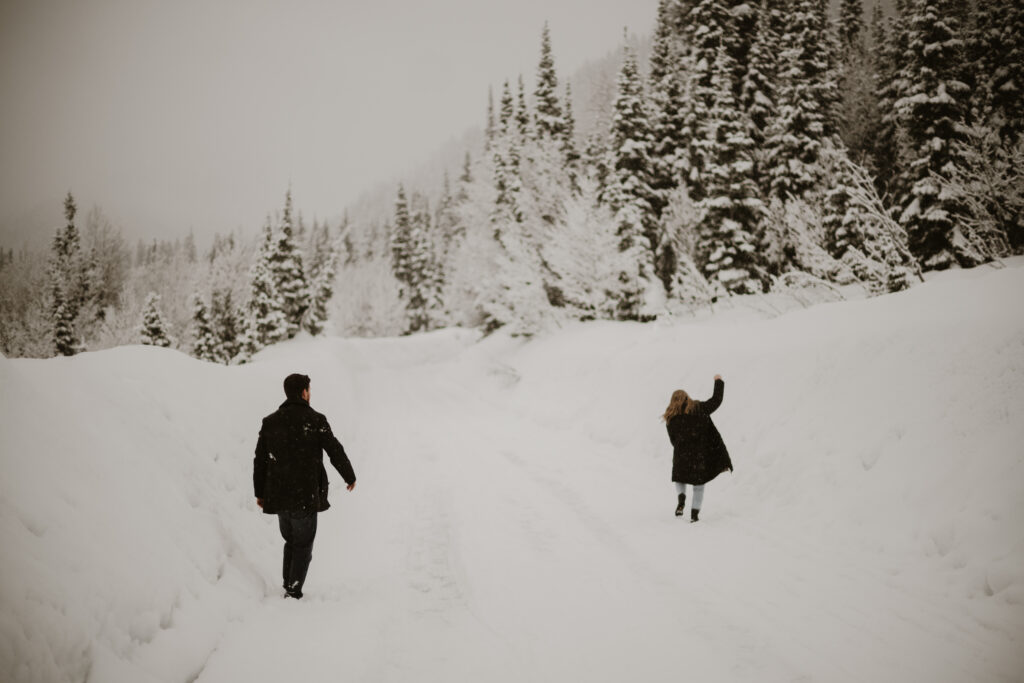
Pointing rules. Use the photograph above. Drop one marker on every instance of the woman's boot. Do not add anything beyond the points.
(682, 504)
(693, 514)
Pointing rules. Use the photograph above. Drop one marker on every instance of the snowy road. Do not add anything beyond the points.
(513, 514)
(493, 543)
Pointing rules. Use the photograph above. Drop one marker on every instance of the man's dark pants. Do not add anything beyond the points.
(298, 530)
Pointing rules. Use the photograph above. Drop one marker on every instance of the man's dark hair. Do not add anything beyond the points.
(294, 385)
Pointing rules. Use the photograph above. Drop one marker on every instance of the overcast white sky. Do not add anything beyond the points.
(198, 113)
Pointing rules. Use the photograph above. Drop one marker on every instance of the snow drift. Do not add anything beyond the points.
(513, 516)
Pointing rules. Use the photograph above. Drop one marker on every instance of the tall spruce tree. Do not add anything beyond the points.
(506, 114)
(806, 103)
(204, 341)
(890, 52)
(522, 113)
(227, 325)
(413, 265)
(154, 330)
(668, 109)
(997, 57)
(321, 291)
(549, 121)
(629, 193)
(68, 282)
(732, 210)
(707, 26)
(568, 143)
(851, 24)
(758, 84)
(266, 322)
(489, 129)
(932, 114)
(289, 276)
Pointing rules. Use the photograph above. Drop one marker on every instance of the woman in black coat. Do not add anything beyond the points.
(699, 454)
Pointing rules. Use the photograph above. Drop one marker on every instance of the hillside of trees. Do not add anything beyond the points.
(753, 148)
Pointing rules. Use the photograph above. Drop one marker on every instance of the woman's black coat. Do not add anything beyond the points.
(699, 454)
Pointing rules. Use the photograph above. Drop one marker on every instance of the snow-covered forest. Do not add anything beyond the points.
(758, 148)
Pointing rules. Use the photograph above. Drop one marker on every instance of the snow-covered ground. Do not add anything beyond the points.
(513, 516)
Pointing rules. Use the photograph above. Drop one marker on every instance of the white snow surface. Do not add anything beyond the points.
(513, 519)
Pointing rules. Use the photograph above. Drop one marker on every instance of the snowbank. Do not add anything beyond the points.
(513, 515)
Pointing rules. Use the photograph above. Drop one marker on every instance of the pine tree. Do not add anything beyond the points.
(266, 322)
(731, 210)
(508, 110)
(708, 25)
(569, 151)
(289, 276)
(669, 138)
(851, 24)
(806, 103)
(548, 117)
(522, 113)
(65, 287)
(154, 329)
(997, 57)
(489, 130)
(414, 266)
(226, 323)
(321, 292)
(465, 180)
(204, 344)
(629, 194)
(891, 49)
(63, 330)
(932, 114)
(758, 85)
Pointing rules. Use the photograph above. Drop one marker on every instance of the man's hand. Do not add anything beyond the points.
(351, 486)
(259, 501)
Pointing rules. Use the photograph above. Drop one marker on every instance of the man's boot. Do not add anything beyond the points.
(693, 514)
(682, 504)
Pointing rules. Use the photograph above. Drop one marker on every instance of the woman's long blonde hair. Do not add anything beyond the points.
(680, 403)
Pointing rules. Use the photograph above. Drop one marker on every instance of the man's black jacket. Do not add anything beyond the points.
(288, 470)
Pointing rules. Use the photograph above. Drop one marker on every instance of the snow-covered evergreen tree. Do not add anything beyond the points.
(890, 56)
(489, 128)
(932, 117)
(204, 342)
(548, 116)
(629, 194)
(851, 24)
(266, 322)
(289, 276)
(321, 291)
(506, 114)
(581, 251)
(522, 113)
(154, 330)
(64, 330)
(758, 84)
(807, 99)
(568, 140)
(65, 282)
(732, 209)
(414, 265)
(226, 323)
(668, 106)
(997, 60)
(707, 26)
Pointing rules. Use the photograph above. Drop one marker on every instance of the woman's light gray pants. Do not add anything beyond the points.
(698, 494)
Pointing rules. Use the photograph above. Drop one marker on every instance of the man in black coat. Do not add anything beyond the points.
(289, 476)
